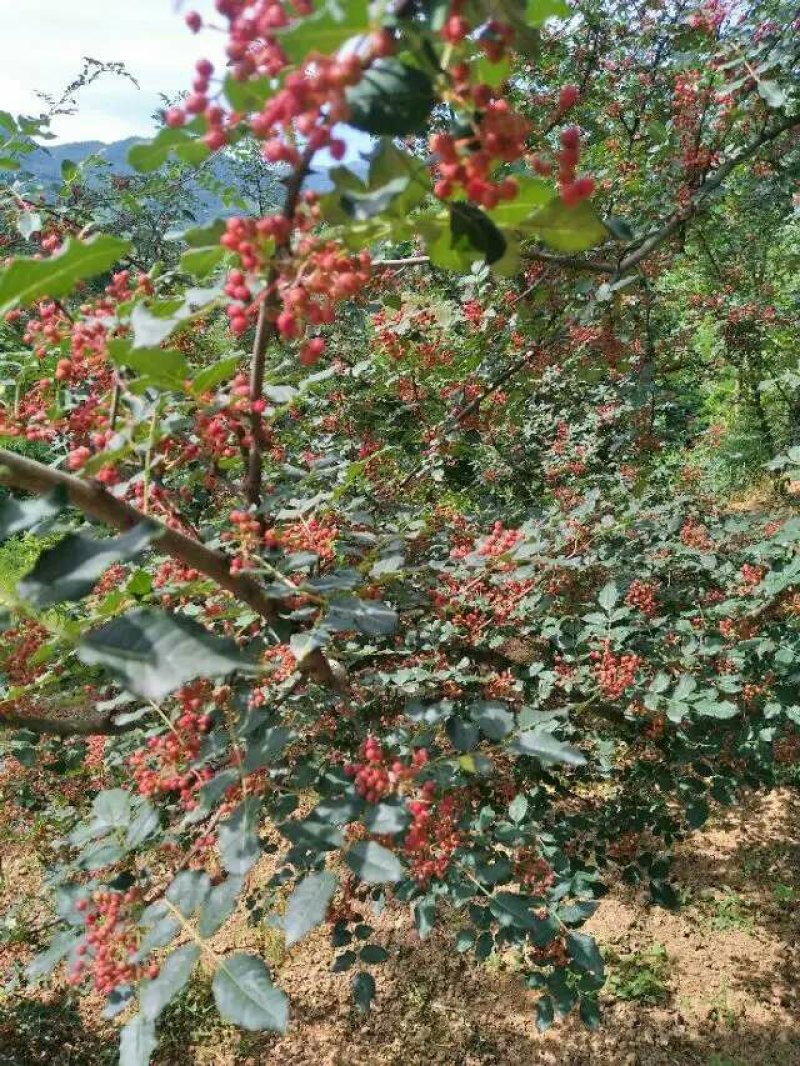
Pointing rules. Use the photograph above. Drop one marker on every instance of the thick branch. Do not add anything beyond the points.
(86, 724)
(265, 332)
(93, 500)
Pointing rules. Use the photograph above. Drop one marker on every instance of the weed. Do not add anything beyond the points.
(785, 893)
(642, 976)
(727, 912)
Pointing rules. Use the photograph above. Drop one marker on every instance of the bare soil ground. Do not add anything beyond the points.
(714, 984)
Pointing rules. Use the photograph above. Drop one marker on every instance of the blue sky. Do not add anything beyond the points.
(43, 42)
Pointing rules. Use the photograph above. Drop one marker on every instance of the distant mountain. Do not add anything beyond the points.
(45, 163)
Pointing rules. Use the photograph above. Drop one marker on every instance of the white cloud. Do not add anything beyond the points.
(44, 41)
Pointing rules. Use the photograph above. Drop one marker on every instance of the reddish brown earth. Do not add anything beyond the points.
(724, 970)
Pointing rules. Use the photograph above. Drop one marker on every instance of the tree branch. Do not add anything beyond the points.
(265, 332)
(91, 724)
(677, 219)
(90, 497)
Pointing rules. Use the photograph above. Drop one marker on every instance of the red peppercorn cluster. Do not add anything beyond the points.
(433, 837)
(614, 673)
(164, 766)
(642, 595)
(751, 576)
(111, 943)
(375, 777)
(19, 646)
(695, 535)
(534, 874)
(499, 541)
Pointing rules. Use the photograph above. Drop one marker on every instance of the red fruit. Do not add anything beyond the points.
(570, 137)
(175, 117)
(215, 139)
(287, 324)
(568, 97)
(194, 21)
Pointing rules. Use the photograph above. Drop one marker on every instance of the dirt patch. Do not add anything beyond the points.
(713, 984)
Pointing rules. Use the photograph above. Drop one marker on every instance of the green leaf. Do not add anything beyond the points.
(391, 99)
(424, 916)
(332, 25)
(248, 95)
(185, 142)
(143, 824)
(609, 594)
(518, 808)
(313, 834)
(188, 891)
(374, 864)
(29, 223)
(490, 73)
(28, 280)
(137, 1042)
(365, 205)
(493, 717)
(533, 194)
(245, 995)
(568, 229)
(43, 964)
(387, 818)
(237, 838)
(388, 162)
(463, 735)
(537, 12)
(544, 1014)
(547, 749)
(219, 905)
(471, 226)
(152, 652)
(308, 905)
(722, 709)
(18, 516)
(154, 995)
(363, 990)
(589, 1012)
(370, 617)
(373, 954)
(215, 374)
(585, 954)
(512, 910)
(201, 261)
(164, 367)
(70, 569)
(772, 93)
(112, 809)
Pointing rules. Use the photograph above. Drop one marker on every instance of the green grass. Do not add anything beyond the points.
(727, 912)
(641, 976)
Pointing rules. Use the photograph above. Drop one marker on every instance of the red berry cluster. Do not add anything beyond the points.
(164, 766)
(751, 576)
(433, 838)
(614, 673)
(642, 595)
(467, 163)
(375, 777)
(572, 188)
(111, 942)
(499, 541)
(534, 874)
(695, 535)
